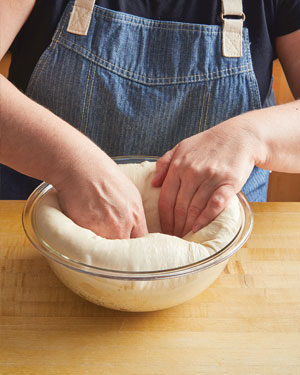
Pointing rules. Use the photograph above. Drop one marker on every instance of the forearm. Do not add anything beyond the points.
(275, 136)
(36, 142)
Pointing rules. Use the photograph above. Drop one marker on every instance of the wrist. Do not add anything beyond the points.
(251, 130)
(79, 160)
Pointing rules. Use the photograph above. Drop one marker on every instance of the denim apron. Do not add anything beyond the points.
(137, 86)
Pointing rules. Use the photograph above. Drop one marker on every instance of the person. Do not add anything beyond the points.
(189, 82)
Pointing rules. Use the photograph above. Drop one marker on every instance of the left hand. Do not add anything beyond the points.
(200, 174)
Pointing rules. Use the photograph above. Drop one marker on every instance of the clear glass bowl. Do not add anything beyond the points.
(134, 291)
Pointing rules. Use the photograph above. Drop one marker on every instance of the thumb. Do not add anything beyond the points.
(162, 167)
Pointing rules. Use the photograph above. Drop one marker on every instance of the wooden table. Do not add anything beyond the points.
(247, 322)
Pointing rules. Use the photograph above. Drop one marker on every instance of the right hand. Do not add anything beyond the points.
(92, 189)
(96, 195)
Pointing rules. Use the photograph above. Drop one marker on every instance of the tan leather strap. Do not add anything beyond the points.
(232, 28)
(81, 17)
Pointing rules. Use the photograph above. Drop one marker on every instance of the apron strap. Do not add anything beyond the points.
(232, 28)
(81, 17)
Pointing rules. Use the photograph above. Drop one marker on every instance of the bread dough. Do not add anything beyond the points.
(156, 251)
(153, 252)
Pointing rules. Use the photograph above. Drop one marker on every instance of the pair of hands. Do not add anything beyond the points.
(197, 178)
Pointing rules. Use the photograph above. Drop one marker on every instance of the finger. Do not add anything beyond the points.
(184, 198)
(110, 232)
(195, 208)
(111, 229)
(215, 205)
(200, 199)
(162, 167)
(140, 230)
(167, 200)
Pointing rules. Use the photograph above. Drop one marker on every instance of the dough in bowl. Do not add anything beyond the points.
(156, 251)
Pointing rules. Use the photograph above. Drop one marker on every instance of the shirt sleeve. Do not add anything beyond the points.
(287, 17)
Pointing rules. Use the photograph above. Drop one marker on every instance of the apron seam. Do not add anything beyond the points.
(85, 96)
(156, 80)
(162, 27)
(36, 75)
(89, 102)
(207, 105)
(255, 96)
(202, 108)
(60, 30)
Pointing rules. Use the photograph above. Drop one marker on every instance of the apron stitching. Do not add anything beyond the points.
(58, 34)
(85, 96)
(179, 80)
(253, 81)
(78, 21)
(102, 62)
(250, 89)
(202, 108)
(207, 105)
(89, 103)
(233, 46)
(257, 101)
(165, 27)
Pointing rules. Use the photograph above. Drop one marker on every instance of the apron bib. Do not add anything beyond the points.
(137, 86)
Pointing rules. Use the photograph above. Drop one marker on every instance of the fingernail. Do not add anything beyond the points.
(155, 180)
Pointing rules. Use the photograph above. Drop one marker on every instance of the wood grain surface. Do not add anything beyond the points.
(247, 322)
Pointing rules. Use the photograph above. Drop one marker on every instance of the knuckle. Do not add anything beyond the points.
(210, 172)
(180, 147)
(231, 179)
(217, 202)
(160, 163)
(180, 211)
(194, 211)
(176, 164)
